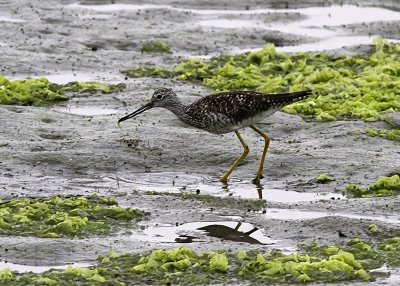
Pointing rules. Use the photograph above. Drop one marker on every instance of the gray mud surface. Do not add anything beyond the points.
(77, 148)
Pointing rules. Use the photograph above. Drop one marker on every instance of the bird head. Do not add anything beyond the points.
(162, 97)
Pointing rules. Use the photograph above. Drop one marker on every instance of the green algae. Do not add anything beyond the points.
(324, 178)
(392, 249)
(368, 255)
(383, 187)
(344, 87)
(64, 216)
(198, 70)
(339, 265)
(144, 71)
(356, 252)
(40, 91)
(156, 47)
(183, 266)
(393, 134)
(6, 275)
(373, 228)
(29, 92)
(371, 257)
(91, 87)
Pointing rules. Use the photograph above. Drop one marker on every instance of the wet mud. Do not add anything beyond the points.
(76, 148)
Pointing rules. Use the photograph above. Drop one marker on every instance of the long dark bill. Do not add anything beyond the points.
(133, 114)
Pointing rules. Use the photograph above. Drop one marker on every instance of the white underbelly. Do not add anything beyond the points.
(229, 127)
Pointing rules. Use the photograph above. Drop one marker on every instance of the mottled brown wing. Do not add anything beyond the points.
(241, 105)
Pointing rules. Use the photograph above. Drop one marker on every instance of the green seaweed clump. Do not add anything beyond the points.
(392, 249)
(197, 69)
(194, 69)
(156, 47)
(324, 178)
(383, 187)
(393, 134)
(69, 276)
(183, 266)
(143, 71)
(373, 228)
(64, 216)
(366, 254)
(375, 257)
(318, 263)
(91, 87)
(6, 275)
(29, 92)
(41, 92)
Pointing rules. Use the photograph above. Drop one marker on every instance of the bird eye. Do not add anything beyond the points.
(159, 96)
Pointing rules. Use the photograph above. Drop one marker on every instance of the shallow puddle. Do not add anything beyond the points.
(178, 182)
(85, 110)
(332, 43)
(173, 183)
(110, 8)
(195, 232)
(60, 78)
(66, 77)
(11, 20)
(37, 269)
(299, 214)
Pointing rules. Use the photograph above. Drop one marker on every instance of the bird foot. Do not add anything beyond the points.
(224, 180)
(257, 179)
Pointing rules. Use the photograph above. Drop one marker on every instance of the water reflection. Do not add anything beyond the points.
(229, 233)
(259, 189)
(195, 232)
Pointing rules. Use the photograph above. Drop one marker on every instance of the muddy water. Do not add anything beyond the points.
(77, 148)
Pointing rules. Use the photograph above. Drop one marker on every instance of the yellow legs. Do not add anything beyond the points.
(224, 178)
(259, 175)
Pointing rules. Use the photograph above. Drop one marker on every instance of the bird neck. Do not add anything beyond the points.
(177, 108)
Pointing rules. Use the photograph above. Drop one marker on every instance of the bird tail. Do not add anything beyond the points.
(296, 96)
(288, 98)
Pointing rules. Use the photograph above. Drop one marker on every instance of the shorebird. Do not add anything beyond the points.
(223, 113)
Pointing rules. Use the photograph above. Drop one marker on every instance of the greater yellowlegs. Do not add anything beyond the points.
(225, 112)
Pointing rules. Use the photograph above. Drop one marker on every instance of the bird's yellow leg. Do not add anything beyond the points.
(259, 174)
(224, 178)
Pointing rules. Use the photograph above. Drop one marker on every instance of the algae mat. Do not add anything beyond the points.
(157, 165)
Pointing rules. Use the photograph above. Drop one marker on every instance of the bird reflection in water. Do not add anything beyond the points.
(224, 232)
